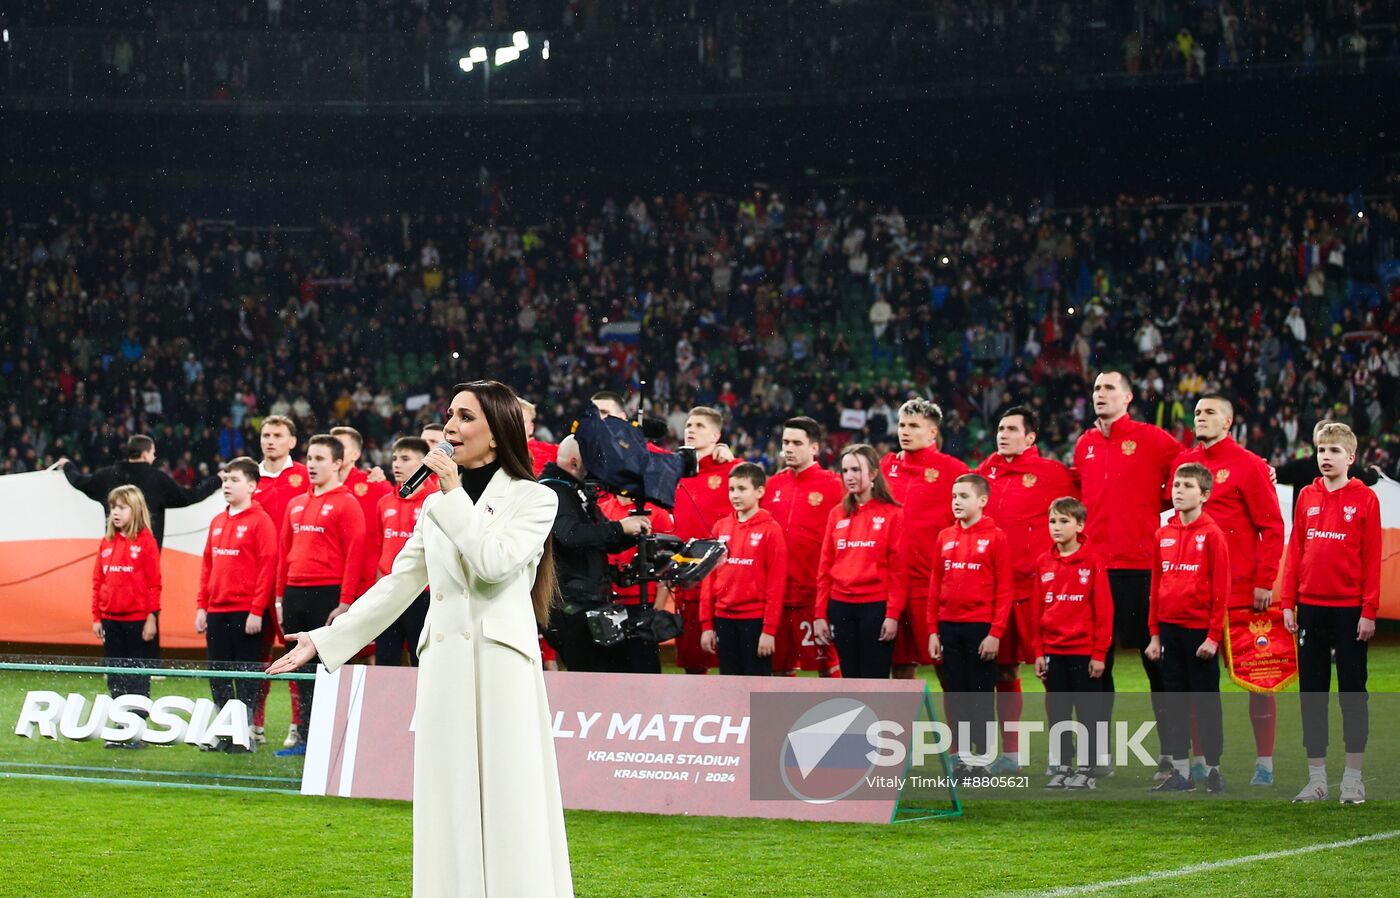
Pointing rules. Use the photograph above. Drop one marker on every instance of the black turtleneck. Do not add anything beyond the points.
(474, 480)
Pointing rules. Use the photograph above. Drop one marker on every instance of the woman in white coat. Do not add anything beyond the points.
(488, 821)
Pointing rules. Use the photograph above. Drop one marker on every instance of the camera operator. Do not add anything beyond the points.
(582, 540)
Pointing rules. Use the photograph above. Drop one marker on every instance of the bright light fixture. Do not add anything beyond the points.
(506, 54)
(520, 40)
(465, 64)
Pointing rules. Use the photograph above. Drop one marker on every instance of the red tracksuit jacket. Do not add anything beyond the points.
(801, 504)
(240, 562)
(1022, 490)
(703, 499)
(323, 542)
(276, 491)
(126, 578)
(862, 559)
(1334, 555)
(753, 579)
(972, 577)
(1190, 577)
(1074, 615)
(1244, 504)
(367, 495)
(1122, 478)
(922, 483)
(615, 509)
(394, 520)
(541, 453)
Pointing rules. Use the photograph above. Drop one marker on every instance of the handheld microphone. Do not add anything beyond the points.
(410, 486)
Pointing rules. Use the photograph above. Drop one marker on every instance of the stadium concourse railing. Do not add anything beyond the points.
(65, 692)
(669, 67)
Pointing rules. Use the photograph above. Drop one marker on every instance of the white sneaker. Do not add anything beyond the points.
(293, 737)
(1313, 791)
(1082, 778)
(1353, 791)
(257, 736)
(1058, 778)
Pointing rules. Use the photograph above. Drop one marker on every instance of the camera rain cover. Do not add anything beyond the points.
(615, 452)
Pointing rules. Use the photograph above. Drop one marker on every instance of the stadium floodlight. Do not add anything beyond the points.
(520, 40)
(506, 54)
(465, 63)
(7, 35)
(477, 54)
(544, 52)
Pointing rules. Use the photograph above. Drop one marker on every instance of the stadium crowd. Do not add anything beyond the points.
(114, 323)
(238, 49)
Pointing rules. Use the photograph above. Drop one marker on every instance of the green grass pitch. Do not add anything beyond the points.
(88, 839)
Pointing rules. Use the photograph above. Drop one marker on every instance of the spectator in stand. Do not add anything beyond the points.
(158, 489)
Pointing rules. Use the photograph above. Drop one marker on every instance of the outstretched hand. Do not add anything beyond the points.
(297, 657)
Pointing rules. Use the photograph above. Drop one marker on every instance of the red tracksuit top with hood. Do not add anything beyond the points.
(753, 579)
(1123, 477)
(972, 576)
(126, 578)
(1190, 577)
(323, 543)
(862, 558)
(1074, 608)
(1334, 555)
(240, 562)
(1243, 502)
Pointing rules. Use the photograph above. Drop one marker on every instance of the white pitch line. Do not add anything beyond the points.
(1090, 888)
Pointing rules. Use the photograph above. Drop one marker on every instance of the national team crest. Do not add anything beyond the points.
(982, 545)
(879, 522)
(1129, 447)
(1222, 475)
(714, 481)
(1084, 573)
(1028, 480)
(1200, 541)
(814, 499)
(135, 551)
(240, 531)
(930, 474)
(755, 539)
(1348, 512)
(1259, 629)
(361, 489)
(294, 480)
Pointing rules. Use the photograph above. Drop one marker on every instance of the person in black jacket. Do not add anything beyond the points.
(582, 540)
(139, 470)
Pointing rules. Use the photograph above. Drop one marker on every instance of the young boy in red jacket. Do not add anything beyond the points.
(740, 603)
(235, 584)
(1073, 631)
(393, 523)
(1331, 595)
(969, 603)
(321, 565)
(1186, 617)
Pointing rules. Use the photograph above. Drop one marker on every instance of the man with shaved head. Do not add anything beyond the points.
(583, 537)
(1244, 504)
(1123, 468)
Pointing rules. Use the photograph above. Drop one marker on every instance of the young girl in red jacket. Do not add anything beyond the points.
(861, 582)
(126, 592)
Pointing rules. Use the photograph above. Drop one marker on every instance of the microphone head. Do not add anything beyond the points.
(444, 446)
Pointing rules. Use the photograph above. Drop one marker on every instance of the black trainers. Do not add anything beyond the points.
(1215, 782)
(1175, 783)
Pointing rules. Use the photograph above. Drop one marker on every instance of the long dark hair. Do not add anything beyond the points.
(503, 416)
(879, 487)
